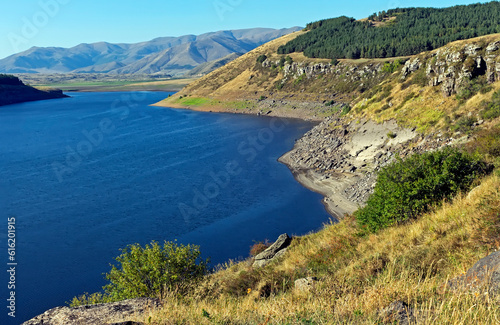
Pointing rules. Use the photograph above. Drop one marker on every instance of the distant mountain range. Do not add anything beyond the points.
(164, 55)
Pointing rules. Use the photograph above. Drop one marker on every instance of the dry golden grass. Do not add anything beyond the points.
(360, 275)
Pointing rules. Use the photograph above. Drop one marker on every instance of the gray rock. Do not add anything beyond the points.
(121, 312)
(485, 274)
(276, 250)
(305, 284)
(410, 66)
(398, 312)
(472, 49)
(493, 46)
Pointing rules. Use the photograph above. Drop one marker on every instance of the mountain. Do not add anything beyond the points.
(164, 55)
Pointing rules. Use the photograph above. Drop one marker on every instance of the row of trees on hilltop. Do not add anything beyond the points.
(413, 30)
(7, 79)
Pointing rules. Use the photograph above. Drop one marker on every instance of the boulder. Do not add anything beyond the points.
(277, 249)
(485, 274)
(122, 312)
(305, 284)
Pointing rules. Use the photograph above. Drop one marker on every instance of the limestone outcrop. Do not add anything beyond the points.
(130, 311)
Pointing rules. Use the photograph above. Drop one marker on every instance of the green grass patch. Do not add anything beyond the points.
(193, 101)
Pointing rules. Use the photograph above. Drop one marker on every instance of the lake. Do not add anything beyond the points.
(87, 175)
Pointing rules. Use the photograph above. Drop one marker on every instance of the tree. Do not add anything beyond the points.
(153, 270)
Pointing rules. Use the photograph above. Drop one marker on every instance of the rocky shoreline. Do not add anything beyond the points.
(340, 159)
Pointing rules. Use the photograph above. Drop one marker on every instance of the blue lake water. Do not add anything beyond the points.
(88, 175)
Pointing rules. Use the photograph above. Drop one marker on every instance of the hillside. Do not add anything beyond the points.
(456, 78)
(416, 271)
(165, 55)
(13, 90)
(396, 32)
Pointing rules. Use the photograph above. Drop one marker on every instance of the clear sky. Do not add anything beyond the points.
(66, 23)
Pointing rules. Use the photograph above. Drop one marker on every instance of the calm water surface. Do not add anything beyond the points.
(87, 175)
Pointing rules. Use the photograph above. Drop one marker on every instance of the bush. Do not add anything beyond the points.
(464, 124)
(150, 272)
(261, 58)
(281, 63)
(345, 110)
(408, 188)
(153, 270)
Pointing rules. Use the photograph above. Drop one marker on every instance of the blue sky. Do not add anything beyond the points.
(67, 23)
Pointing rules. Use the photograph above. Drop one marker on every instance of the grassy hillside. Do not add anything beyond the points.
(358, 276)
(450, 93)
(453, 91)
(380, 89)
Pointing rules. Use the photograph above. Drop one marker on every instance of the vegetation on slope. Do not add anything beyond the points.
(358, 273)
(407, 188)
(406, 32)
(13, 90)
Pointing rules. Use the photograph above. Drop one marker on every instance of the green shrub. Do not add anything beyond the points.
(391, 135)
(419, 78)
(471, 87)
(150, 272)
(345, 110)
(261, 58)
(153, 270)
(281, 63)
(407, 188)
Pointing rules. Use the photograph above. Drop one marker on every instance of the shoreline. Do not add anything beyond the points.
(278, 110)
(336, 204)
(331, 187)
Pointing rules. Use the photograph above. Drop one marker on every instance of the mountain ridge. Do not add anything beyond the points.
(162, 55)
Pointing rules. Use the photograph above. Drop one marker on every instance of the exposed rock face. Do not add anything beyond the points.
(335, 149)
(123, 312)
(351, 72)
(451, 68)
(341, 160)
(277, 249)
(484, 275)
(410, 66)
